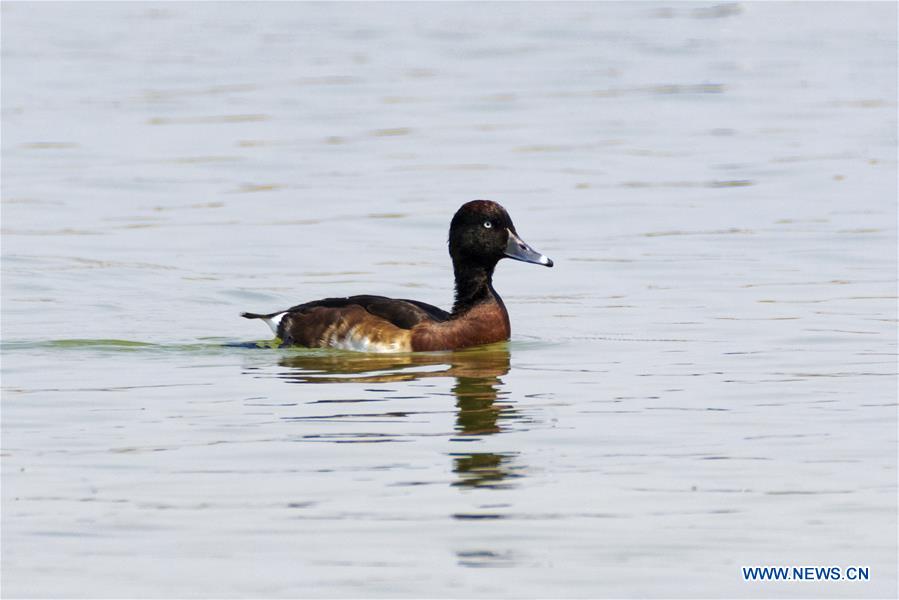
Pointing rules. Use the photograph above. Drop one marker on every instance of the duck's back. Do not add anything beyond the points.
(362, 323)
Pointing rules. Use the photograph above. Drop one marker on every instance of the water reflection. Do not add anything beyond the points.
(486, 469)
(479, 393)
(482, 404)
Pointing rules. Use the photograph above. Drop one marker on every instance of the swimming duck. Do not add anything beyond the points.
(481, 233)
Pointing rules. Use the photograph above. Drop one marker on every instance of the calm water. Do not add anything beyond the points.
(706, 379)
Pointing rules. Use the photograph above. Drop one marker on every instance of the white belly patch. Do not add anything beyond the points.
(362, 343)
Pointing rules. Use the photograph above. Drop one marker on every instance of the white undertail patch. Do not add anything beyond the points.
(274, 321)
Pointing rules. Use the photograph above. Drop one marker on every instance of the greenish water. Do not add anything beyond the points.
(705, 380)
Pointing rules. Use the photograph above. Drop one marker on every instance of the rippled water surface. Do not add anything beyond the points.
(706, 380)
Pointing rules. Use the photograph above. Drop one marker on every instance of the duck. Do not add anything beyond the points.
(481, 234)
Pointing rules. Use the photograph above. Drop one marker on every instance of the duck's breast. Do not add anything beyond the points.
(485, 323)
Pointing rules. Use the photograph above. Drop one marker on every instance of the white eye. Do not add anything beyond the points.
(488, 224)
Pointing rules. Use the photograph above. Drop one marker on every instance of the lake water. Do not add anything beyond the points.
(706, 380)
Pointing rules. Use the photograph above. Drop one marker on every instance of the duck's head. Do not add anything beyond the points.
(482, 233)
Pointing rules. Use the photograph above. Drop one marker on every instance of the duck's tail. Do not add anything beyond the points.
(249, 315)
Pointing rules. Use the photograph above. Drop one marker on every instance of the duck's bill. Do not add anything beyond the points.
(518, 250)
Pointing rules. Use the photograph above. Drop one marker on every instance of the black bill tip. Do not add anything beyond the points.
(516, 248)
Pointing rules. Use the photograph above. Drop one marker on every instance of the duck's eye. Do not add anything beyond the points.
(488, 224)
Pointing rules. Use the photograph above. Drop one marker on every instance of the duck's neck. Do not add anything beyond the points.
(474, 285)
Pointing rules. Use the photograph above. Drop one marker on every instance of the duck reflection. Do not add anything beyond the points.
(485, 469)
(481, 401)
